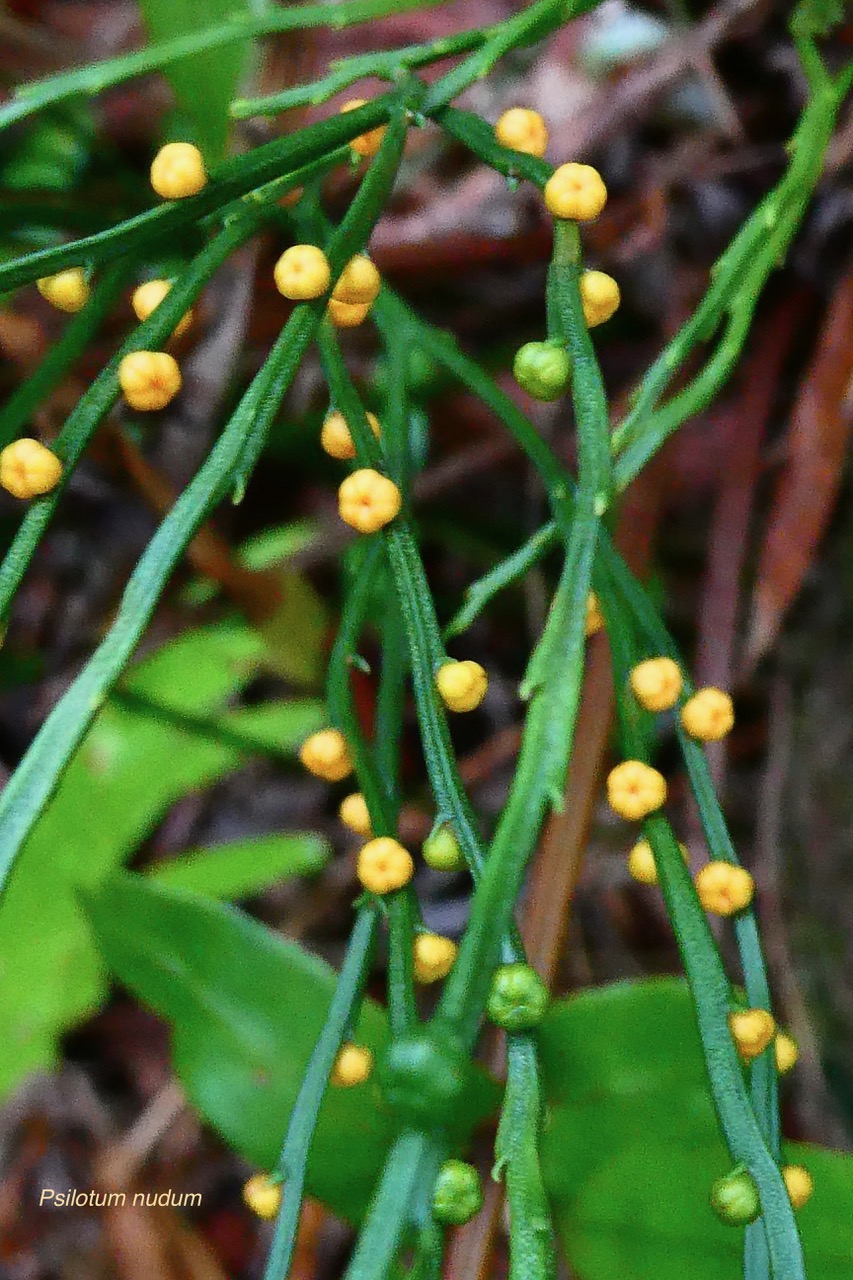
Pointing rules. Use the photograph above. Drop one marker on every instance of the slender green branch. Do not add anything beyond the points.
(352, 234)
(94, 79)
(633, 598)
(511, 569)
(35, 778)
(479, 137)
(236, 177)
(341, 703)
(530, 25)
(737, 279)
(99, 398)
(293, 1162)
(709, 986)
(411, 1164)
(532, 1252)
(401, 907)
(388, 65)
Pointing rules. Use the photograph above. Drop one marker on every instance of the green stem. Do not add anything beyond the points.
(531, 24)
(236, 177)
(99, 398)
(709, 986)
(511, 569)
(532, 1254)
(38, 773)
(411, 1164)
(737, 279)
(353, 233)
(633, 598)
(387, 65)
(293, 1162)
(401, 907)
(94, 79)
(479, 137)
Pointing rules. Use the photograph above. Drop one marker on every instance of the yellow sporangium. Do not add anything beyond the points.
(752, 1031)
(384, 865)
(575, 191)
(522, 130)
(656, 683)
(353, 813)
(147, 298)
(347, 315)
(594, 616)
(178, 171)
(600, 297)
(263, 1196)
(724, 888)
(359, 282)
(149, 380)
(635, 789)
(326, 755)
(461, 685)
(641, 862)
(366, 144)
(67, 290)
(786, 1053)
(799, 1184)
(353, 1065)
(434, 956)
(336, 438)
(708, 715)
(28, 469)
(302, 273)
(367, 501)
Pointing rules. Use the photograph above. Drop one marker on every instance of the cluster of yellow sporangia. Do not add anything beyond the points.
(149, 380)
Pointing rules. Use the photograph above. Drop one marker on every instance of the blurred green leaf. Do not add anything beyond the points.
(816, 17)
(130, 769)
(243, 867)
(54, 153)
(246, 1008)
(294, 633)
(273, 546)
(631, 1146)
(205, 83)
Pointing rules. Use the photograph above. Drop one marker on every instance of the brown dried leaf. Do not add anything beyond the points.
(805, 495)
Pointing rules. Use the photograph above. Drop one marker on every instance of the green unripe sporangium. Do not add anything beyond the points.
(542, 369)
(458, 1195)
(518, 998)
(441, 851)
(734, 1198)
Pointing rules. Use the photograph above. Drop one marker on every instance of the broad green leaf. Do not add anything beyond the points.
(205, 83)
(130, 769)
(246, 1008)
(631, 1145)
(243, 867)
